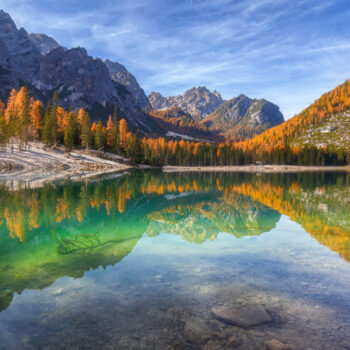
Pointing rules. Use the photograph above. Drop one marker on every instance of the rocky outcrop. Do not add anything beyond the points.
(243, 116)
(79, 79)
(120, 75)
(7, 79)
(198, 102)
(43, 42)
(25, 56)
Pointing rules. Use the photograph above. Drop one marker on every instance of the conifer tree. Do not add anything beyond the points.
(85, 133)
(99, 136)
(3, 126)
(123, 131)
(81, 117)
(50, 128)
(36, 115)
(71, 132)
(135, 150)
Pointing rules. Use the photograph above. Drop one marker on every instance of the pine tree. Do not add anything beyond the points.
(85, 133)
(135, 150)
(71, 132)
(81, 117)
(3, 127)
(36, 115)
(123, 131)
(99, 136)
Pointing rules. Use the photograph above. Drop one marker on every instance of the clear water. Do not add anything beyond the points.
(131, 262)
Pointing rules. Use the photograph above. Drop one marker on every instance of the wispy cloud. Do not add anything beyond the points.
(283, 50)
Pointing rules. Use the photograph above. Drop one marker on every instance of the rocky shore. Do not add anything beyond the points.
(34, 164)
(256, 168)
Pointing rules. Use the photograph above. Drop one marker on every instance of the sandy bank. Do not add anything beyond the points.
(256, 168)
(36, 164)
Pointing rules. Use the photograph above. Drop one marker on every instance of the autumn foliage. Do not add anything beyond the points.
(26, 118)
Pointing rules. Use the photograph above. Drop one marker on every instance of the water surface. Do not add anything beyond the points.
(133, 262)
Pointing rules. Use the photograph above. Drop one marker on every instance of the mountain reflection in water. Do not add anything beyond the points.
(67, 229)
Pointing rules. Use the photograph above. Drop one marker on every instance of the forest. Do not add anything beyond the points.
(27, 119)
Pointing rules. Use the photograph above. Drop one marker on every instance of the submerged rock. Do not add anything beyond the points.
(197, 331)
(242, 315)
(233, 342)
(275, 344)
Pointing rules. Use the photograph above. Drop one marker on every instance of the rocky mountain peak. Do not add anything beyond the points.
(243, 116)
(43, 42)
(197, 101)
(5, 19)
(120, 75)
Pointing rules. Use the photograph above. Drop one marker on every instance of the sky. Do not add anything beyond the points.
(286, 51)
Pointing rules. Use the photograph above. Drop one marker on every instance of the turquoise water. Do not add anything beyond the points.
(132, 261)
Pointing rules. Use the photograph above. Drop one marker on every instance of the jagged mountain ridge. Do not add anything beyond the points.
(243, 117)
(37, 61)
(43, 42)
(40, 63)
(198, 101)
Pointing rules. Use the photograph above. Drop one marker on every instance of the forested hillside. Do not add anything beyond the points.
(331, 108)
(26, 119)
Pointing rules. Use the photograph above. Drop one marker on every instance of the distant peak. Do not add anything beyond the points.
(4, 14)
(155, 93)
(6, 18)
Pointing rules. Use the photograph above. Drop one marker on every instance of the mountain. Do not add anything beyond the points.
(24, 54)
(120, 75)
(37, 61)
(238, 118)
(44, 43)
(334, 133)
(325, 123)
(181, 125)
(198, 101)
(243, 117)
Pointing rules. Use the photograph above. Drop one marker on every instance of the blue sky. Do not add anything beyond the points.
(287, 51)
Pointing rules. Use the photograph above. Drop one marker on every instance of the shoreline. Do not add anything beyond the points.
(37, 165)
(256, 168)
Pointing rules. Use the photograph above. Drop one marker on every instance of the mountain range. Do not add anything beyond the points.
(44, 66)
(39, 62)
(198, 102)
(237, 118)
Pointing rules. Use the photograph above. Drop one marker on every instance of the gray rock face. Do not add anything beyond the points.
(25, 55)
(43, 42)
(120, 75)
(242, 315)
(243, 112)
(7, 79)
(198, 102)
(80, 80)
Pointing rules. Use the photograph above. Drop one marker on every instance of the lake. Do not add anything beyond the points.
(146, 260)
